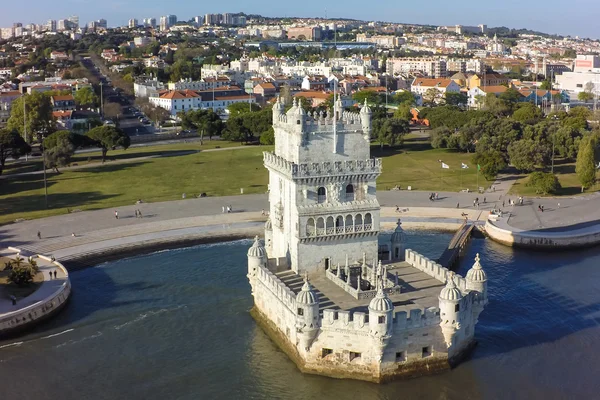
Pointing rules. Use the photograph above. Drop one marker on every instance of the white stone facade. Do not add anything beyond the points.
(318, 227)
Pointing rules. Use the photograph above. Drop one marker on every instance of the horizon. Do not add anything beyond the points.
(118, 13)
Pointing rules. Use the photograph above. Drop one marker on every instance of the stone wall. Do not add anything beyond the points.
(276, 301)
(432, 268)
(35, 313)
(587, 236)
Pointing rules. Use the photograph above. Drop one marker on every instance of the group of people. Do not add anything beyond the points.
(433, 196)
(476, 202)
(228, 208)
(138, 214)
(52, 272)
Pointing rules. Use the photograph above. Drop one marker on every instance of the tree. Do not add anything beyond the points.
(456, 99)
(586, 163)
(432, 96)
(525, 154)
(85, 97)
(236, 109)
(108, 137)
(527, 113)
(236, 130)
(267, 137)
(11, 145)
(22, 273)
(112, 110)
(371, 96)
(403, 112)
(585, 96)
(546, 85)
(39, 119)
(58, 150)
(404, 97)
(390, 130)
(440, 137)
(490, 162)
(544, 183)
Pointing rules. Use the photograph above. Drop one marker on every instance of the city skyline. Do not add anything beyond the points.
(551, 21)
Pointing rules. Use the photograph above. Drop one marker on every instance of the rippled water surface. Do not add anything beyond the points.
(175, 325)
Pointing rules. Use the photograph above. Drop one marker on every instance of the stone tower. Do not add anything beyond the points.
(322, 188)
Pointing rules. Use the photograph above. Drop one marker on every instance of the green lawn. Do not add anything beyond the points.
(183, 168)
(565, 171)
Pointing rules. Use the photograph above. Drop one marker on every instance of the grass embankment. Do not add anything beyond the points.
(178, 169)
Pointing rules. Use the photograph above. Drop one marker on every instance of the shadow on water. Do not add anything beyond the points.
(540, 300)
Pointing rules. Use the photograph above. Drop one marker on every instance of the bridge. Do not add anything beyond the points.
(456, 245)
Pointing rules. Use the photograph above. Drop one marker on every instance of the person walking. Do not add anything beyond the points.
(140, 213)
(50, 273)
(558, 205)
(54, 274)
(223, 209)
(116, 214)
(39, 234)
(503, 203)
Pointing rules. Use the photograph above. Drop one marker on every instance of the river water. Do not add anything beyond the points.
(175, 325)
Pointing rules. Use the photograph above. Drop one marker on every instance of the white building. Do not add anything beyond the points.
(324, 225)
(432, 67)
(176, 101)
(420, 86)
(133, 23)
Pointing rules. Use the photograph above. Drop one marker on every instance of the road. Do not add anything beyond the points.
(127, 121)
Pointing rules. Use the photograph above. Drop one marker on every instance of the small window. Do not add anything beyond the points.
(321, 195)
(400, 356)
(381, 319)
(354, 355)
(300, 311)
(579, 85)
(457, 308)
(325, 352)
(426, 351)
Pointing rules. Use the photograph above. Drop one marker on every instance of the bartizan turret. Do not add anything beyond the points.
(380, 321)
(365, 118)
(269, 235)
(397, 243)
(477, 281)
(307, 315)
(450, 302)
(257, 256)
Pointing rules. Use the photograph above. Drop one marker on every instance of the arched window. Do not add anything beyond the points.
(358, 223)
(339, 224)
(321, 195)
(349, 223)
(330, 227)
(350, 193)
(368, 222)
(320, 226)
(310, 227)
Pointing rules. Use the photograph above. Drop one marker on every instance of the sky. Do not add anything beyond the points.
(573, 17)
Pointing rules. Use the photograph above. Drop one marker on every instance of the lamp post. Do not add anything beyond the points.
(101, 101)
(554, 118)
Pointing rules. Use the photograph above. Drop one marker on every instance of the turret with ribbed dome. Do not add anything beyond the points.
(380, 321)
(450, 302)
(397, 243)
(257, 256)
(307, 317)
(477, 280)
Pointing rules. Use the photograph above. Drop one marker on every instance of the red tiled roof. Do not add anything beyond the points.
(179, 94)
(67, 97)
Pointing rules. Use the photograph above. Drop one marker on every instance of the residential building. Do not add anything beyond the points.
(101, 23)
(487, 79)
(142, 41)
(420, 86)
(310, 33)
(176, 101)
(386, 41)
(477, 94)
(432, 67)
(6, 100)
(62, 102)
(265, 90)
(133, 23)
(7, 33)
(73, 22)
(150, 22)
(59, 56)
(167, 21)
(51, 25)
(587, 63)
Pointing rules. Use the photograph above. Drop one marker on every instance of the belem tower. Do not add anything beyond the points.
(337, 301)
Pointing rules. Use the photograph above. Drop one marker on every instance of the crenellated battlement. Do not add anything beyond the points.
(285, 295)
(322, 169)
(433, 269)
